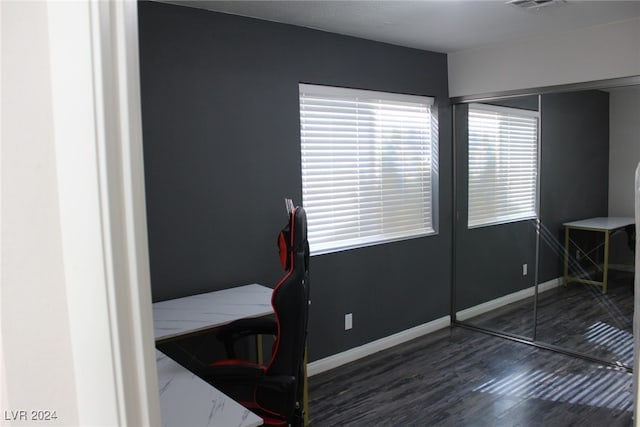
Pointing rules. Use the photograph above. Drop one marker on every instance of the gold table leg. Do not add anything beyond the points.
(605, 272)
(305, 393)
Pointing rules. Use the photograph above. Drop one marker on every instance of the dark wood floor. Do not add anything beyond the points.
(577, 317)
(458, 377)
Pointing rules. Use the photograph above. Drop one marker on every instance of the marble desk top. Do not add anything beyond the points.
(196, 313)
(186, 400)
(601, 223)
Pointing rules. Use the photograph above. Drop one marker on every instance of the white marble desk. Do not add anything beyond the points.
(606, 225)
(195, 313)
(186, 400)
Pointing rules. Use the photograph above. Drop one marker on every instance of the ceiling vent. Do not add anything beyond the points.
(533, 4)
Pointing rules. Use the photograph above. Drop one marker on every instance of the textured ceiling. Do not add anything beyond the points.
(440, 26)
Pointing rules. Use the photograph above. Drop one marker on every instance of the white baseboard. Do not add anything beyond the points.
(507, 299)
(373, 347)
(351, 355)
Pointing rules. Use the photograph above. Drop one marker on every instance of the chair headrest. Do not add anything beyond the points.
(293, 237)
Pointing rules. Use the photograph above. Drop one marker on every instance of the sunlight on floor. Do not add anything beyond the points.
(607, 388)
(615, 340)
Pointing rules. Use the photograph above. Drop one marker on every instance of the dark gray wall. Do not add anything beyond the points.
(574, 169)
(523, 102)
(574, 185)
(220, 114)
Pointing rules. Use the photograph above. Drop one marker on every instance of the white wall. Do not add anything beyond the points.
(37, 365)
(624, 148)
(597, 53)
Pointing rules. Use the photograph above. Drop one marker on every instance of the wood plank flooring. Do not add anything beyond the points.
(459, 377)
(578, 317)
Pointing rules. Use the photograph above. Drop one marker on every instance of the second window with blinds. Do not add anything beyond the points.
(369, 167)
(503, 165)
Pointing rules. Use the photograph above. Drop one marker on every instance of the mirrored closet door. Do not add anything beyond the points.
(588, 312)
(535, 179)
(496, 213)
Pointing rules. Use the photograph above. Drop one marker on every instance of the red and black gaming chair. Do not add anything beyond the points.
(274, 391)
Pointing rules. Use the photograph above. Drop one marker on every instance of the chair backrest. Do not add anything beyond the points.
(290, 301)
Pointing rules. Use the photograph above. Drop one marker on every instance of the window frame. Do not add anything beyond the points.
(429, 164)
(510, 112)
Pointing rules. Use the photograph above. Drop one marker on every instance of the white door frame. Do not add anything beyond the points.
(98, 138)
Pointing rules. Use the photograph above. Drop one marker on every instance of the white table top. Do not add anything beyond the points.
(186, 400)
(601, 223)
(196, 313)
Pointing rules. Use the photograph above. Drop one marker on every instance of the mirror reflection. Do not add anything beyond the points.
(544, 229)
(587, 224)
(496, 184)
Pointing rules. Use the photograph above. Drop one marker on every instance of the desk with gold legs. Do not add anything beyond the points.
(605, 225)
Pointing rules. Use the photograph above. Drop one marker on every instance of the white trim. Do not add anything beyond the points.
(124, 181)
(79, 191)
(503, 221)
(98, 140)
(507, 299)
(373, 347)
(342, 92)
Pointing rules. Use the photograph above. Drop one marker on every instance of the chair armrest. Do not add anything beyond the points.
(241, 328)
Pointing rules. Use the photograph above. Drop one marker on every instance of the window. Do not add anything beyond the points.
(503, 159)
(369, 167)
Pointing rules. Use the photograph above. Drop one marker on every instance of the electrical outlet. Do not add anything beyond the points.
(348, 321)
(524, 269)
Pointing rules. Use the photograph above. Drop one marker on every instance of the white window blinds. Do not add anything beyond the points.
(503, 159)
(368, 166)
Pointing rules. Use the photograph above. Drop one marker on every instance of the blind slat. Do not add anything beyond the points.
(367, 166)
(502, 167)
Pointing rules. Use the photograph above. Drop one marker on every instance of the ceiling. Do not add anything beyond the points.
(441, 26)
